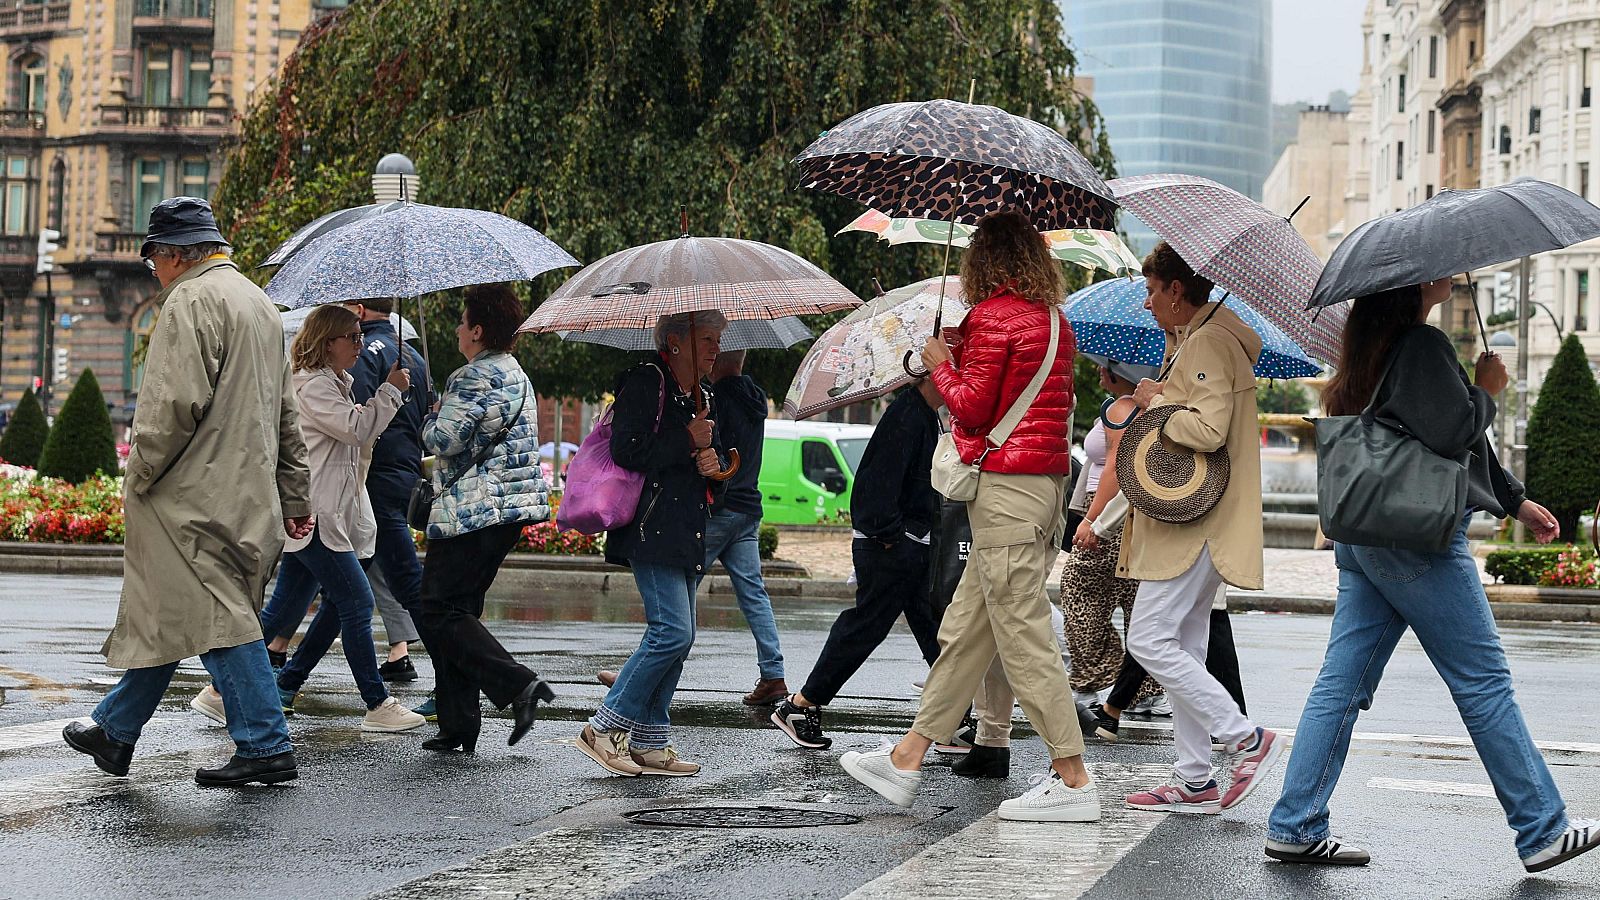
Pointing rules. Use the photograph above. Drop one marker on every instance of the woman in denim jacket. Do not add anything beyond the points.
(478, 519)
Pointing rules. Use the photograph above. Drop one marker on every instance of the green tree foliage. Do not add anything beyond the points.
(594, 122)
(25, 433)
(81, 443)
(1563, 453)
(1282, 397)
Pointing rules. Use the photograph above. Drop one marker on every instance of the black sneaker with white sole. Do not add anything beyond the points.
(1105, 727)
(802, 724)
(1326, 852)
(961, 743)
(1581, 836)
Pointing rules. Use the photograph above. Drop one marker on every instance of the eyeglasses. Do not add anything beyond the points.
(353, 337)
(150, 264)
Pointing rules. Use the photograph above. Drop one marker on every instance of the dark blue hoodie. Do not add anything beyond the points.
(397, 457)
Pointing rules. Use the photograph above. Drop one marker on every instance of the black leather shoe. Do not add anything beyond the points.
(984, 762)
(398, 671)
(445, 742)
(525, 708)
(111, 756)
(240, 771)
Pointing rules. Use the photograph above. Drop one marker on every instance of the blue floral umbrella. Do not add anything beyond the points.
(1109, 319)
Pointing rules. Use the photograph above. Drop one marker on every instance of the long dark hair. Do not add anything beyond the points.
(1375, 325)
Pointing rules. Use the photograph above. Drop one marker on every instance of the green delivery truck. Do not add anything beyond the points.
(807, 470)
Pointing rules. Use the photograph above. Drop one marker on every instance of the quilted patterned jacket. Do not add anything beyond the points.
(479, 399)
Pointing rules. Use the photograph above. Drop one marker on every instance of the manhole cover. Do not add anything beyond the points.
(739, 817)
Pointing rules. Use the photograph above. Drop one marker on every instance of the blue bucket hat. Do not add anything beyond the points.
(180, 222)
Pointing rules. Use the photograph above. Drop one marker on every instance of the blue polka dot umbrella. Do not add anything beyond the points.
(1109, 320)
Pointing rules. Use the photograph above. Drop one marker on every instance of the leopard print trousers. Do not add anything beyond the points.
(1091, 593)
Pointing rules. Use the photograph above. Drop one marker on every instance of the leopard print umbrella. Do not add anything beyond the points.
(958, 162)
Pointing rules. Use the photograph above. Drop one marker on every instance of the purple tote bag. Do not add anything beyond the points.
(601, 495)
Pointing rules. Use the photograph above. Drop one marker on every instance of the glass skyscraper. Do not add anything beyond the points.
(1184, 85)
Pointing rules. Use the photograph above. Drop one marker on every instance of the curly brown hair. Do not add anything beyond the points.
(1008, 252)
(496, 309)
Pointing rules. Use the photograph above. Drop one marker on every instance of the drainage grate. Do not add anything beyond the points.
(739, 817)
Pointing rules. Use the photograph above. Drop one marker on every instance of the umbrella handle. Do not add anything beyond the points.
(731, 470)
(1105, 410)
(905, 363)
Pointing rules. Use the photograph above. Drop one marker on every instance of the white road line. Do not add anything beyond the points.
(1133, 726)
(991, 858)
(34, 734)
(1453, 788)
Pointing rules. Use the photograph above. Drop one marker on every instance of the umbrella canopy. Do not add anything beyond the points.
(321, 226)
(411, 251)
(1109, 319)
(1455, 232)
(547, 450)
(859, 358)
(294, 318)
(1253, 252)
(957, 162)
(1087, 247)
(741, 334)
(740, 279)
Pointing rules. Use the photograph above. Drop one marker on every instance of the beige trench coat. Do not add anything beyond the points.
(1214, 374)
(216, 465)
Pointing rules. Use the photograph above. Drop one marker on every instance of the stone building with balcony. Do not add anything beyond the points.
(110, 106)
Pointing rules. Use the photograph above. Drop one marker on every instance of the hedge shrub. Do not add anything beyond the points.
(1524, 567)
(81, 444)
(25, 433)
(767, 540)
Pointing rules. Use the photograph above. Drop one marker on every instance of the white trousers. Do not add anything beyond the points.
(1168, 633)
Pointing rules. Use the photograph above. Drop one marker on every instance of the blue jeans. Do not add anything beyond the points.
(244, 677)
(734, 538)
(638, 702)
(344, 586)
(1439, 596)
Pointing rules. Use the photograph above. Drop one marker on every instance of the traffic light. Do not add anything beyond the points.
(59, 373)
(47, 249)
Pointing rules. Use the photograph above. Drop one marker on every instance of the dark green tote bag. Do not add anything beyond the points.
(1377, 486)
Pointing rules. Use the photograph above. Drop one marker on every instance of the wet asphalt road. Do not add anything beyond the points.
(378, 816)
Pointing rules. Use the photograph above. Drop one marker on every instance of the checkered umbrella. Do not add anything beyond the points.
(741, 334)
(957, 162)
(740, 279)
(1109, 319)
(1251, 251)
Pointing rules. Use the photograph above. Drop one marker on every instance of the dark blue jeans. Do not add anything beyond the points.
(242, 675)
(344, 587)
(734, 538)
(1440, 597)
(640, 700)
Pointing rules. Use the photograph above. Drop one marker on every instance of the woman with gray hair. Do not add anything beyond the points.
(662, 424)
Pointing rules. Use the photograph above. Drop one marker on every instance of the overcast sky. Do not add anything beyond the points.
(1316, 48)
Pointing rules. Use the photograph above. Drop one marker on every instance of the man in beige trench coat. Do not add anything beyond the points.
(216, 477)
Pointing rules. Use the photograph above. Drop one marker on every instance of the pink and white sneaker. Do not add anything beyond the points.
(1174, 795)
(1248, 766)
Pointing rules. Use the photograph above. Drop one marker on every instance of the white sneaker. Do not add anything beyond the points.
(1581, 836)
(1051, 800)
(1158, 705)
(390, 716)
(875, 770)
(208, 703)
(918, 684)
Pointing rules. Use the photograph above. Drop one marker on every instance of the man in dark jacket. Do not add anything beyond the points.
(893, 508)
(733, 533)
(396, 466)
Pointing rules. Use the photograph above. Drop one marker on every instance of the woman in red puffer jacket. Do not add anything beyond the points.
(1014, 288)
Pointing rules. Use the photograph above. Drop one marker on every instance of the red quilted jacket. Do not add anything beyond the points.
(1003, 342)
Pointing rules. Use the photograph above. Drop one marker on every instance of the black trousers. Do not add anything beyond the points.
(1222, 661)
(889, 581)
(456, 574)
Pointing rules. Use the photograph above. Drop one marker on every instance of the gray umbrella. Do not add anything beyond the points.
(321, 226)
(411, 251)
(741, 334)
(1455, 232)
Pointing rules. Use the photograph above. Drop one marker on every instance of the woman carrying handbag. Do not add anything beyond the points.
(487, 448)
(1010, 398)
(1405, 372)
